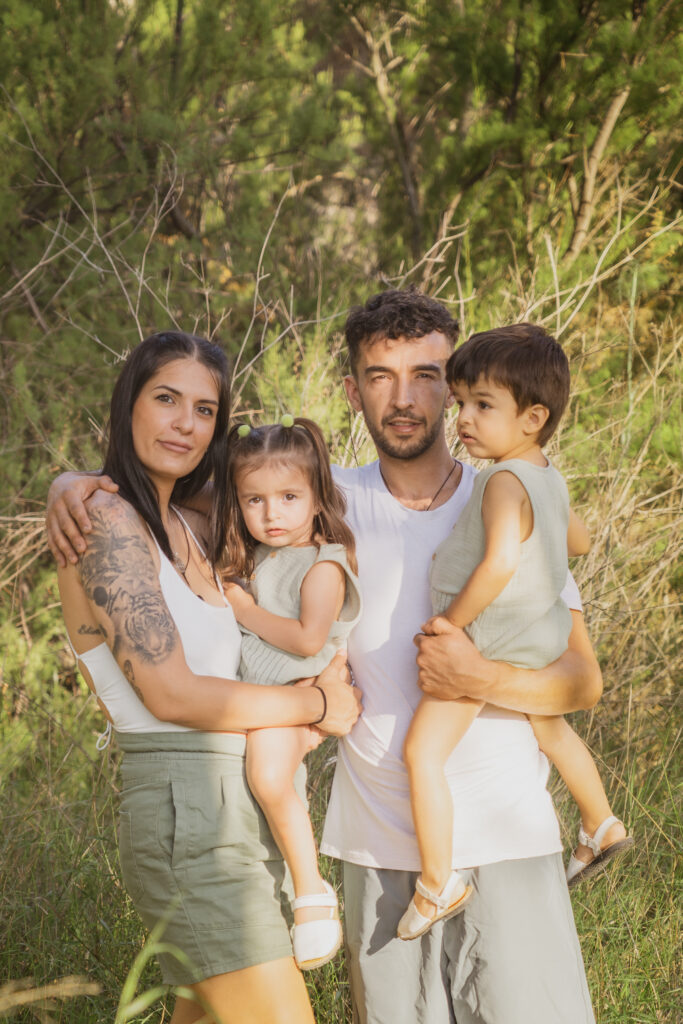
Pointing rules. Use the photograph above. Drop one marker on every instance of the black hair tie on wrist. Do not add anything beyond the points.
(322, 693)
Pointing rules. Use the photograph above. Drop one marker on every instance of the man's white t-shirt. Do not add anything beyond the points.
(497, 774)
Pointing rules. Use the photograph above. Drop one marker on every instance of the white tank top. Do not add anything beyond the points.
(211, 642)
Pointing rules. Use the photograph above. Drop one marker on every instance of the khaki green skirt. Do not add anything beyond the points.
(197, 854)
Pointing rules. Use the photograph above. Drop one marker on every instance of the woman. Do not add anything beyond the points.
(159, 645)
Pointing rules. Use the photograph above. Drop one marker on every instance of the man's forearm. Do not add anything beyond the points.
(563, 686)
(451, 667)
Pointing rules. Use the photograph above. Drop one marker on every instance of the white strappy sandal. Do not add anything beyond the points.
(316, 942)
(450, 901)
(577, 869)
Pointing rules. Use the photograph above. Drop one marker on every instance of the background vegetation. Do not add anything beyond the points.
(249, 170)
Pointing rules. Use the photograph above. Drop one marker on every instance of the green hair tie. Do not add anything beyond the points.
(287, 420)
(243, 430)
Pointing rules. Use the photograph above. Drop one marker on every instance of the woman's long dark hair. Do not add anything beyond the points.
(301, 445)
(123, 465)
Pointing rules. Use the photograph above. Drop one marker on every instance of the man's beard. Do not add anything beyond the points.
(409, 449)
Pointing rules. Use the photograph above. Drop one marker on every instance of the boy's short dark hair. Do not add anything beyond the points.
(523, 358)
(396, 313)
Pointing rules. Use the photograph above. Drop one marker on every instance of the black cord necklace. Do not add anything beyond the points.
(445, 481)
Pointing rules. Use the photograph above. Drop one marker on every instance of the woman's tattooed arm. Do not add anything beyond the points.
(121, 580)
(130, 676)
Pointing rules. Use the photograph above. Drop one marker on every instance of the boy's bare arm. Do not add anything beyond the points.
(502, 512)
(450, 666)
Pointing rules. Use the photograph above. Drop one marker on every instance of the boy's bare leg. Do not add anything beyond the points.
(436, 729)
(273, 756)
(574, 762)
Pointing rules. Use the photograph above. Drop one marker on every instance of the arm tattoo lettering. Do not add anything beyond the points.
(91, 631)
(119, 576)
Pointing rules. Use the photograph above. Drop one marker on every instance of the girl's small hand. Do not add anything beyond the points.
(437, 626)
(312, 738)
(240, 601)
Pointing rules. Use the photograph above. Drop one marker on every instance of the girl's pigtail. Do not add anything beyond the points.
(329, 520)
(239, 544)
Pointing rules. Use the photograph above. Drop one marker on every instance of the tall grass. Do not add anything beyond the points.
(69, 934)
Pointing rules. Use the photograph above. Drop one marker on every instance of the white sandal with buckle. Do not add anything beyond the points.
(316, 942)
(577, 869)
(451, 900)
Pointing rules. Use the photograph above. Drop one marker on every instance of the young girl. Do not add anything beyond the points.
(288, 540)
(500, 574)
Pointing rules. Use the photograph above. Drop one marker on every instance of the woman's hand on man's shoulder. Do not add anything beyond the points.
(105, 508)
(67, 520)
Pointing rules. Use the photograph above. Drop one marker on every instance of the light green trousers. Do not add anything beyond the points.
(511, 957)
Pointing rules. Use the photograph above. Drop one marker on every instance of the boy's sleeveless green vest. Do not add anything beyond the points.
(528, 624)
(276, 586)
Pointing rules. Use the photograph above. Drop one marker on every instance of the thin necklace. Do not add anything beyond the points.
(447, 478)
(177, 560)
(182, 566)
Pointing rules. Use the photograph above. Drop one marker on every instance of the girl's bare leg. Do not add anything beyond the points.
(270, 993)
(574, 762)
(436, 729)
(273, 756)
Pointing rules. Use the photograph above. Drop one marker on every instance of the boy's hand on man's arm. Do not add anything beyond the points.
(437, 625)
(66, 518)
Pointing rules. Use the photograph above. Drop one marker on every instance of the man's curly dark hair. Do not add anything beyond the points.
(396, 313)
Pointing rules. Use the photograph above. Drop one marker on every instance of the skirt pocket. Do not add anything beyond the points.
(129, 867)
(146, 837)
(217, 818)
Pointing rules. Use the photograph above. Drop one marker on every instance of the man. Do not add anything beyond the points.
(513, 956)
